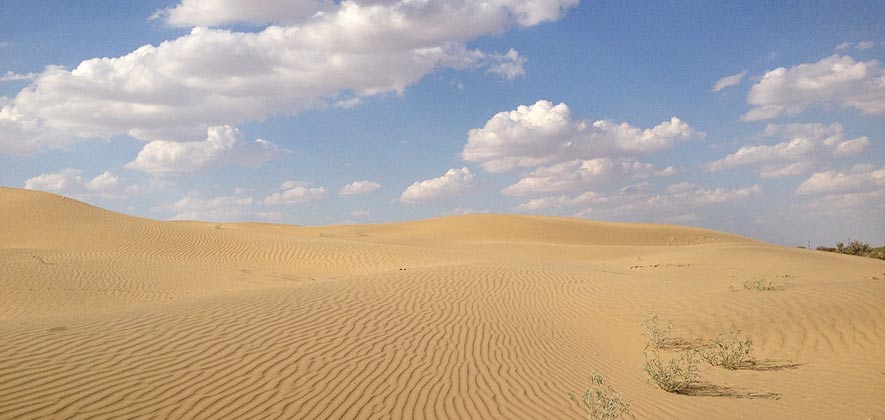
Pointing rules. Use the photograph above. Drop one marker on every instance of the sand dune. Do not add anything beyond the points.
(104, 315)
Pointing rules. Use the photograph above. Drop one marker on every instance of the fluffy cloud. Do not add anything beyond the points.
(453, 183)
(832, 81)
(191, 13)
(359, 187)
(841, 193)
(700, 196)
(216, 209)
(865, 45)
(729, 81)
(861, 178)
(12, 76)
(178, 89)
(803, 147)
(862, 45)
(22, 135)
(295, 193)
(537, 134)
(562, 201)
(106, 181)
(223, 144)
(56, 181)
(469, 18)
(508, 66)
(583, 174)
(461, 211)
(638, 198)
(71, 182)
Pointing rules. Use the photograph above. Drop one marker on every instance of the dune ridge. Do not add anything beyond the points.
(104, 315)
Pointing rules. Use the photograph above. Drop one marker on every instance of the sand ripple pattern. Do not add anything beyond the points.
(106, 316)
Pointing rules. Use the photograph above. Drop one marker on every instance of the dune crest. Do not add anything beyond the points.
(104, 315)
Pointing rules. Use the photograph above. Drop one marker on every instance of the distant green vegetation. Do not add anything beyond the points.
(856, 248)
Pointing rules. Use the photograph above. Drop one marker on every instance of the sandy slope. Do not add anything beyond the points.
(104, 315)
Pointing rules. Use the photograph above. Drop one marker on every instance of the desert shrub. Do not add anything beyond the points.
(729, 350)
(877, 253)
(760, 285)
(601, 401)
(856, 248)
(676, 374)
(853, 248)
(656, 331)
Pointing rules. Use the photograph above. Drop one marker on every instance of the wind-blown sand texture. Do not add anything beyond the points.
(104, 315)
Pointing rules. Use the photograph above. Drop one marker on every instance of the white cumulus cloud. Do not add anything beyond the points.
(861, 178)
(677, 199)
(832, 81)
(223, 144)
(861, 46)
(10, 76)
(359, 187)
(295, 193)
(541, 133)
(451, 184)
(71, 181)
(802, 147)
(215, 209)
(191, 13)
(583, 174)
(176, 90)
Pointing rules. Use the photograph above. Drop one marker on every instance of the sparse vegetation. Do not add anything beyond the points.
(856, 248)
(676, 374)
(760, 285)
(601, 401)
(656, 332)
(729, 350)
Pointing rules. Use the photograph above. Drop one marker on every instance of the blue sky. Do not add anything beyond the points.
(759, 118)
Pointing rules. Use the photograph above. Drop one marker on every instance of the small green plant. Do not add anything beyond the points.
(656, 332)
(674, 376)
(601, 401)
(729, 350)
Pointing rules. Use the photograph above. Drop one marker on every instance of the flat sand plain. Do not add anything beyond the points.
(104, 315)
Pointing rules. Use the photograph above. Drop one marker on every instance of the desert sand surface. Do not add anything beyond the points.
(104, 315)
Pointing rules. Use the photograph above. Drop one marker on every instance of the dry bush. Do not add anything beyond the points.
(760, 285)
(674, 376)
(657, 332)
(600, 401)
(729, 350)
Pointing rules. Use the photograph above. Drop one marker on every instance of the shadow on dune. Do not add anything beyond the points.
(705, 389)
(681, 344)
(768, 365)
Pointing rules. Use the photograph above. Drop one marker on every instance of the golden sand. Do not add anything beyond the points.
(104, 315)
